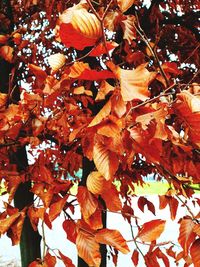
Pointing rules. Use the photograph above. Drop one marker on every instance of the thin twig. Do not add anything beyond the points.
(194, 76)
(136, 244)
(189, 210)
(44, 241)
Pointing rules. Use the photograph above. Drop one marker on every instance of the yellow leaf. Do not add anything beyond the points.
(56, 61)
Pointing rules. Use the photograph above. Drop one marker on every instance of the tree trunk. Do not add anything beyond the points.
(88, 167)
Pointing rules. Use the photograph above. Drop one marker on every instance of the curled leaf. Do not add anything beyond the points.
(56, 61)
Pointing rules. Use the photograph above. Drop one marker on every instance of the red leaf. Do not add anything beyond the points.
(67, 261)
(135, 257)
(194, 251)
(151, 230)
(142, 201)
(69, 227)
(56, 208)
(100, 49)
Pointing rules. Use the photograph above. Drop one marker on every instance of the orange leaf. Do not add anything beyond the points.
(69, 227)
(88, 203)
(194, 251)
(196, 229)
(6, 223)
(134, 83)
(112, 238)
(96, 183)
(35, 214)
(39, 73)
(67, 261)
(104, 89)
(186, 235)
(135, 257)
(6, 52)
(112, 203)
(125, 5)
(3, 99)
(56, 208)
(105, 160)
(151, 230)
(49, 260)
(79, 28)
(103, 113)
(16, 229)
(88, 248)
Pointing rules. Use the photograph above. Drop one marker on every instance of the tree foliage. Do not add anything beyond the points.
(112, 82)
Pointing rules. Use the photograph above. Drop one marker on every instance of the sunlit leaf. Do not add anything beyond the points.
(125, 5)
(96, 183)
(56, 208)
(88, 203)
(103, 113)
(104, 89)
(194, 251)
(129, 30)
(67, 261)
(88, 248)
(112, 238)
(152, 230)
(134, 83)
(100, 49)
(186, 234)
(105, 160)
(56, 61)
(112, 203)
(6, 223)
(69, 227)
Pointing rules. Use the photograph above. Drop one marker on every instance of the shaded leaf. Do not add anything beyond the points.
(112, 238)
(69, 227)
(142, 202)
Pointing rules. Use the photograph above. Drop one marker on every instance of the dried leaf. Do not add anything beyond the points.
(125, 5)
(112, 238)
(152, 230)
(129, 30)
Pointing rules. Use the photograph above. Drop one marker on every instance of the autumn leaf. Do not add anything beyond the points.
(96, 183)
(15, 230)
(100, 49)
(6, 52)
(114, 203)
(88, 248)
(56, 208)
(112, 238)
(79, 28)
(135, 257)
(134, 83)
(3, 99)
(35, 214)
(105, 160)
(67, 261)
(152, 230)
(39, 73)
(104, 89)
(69, 227)
(125, 5)
(142, 202)
(128, 27)
(103, 113)
(186, 234)
(6, 223)
(88, 203)
(194, 251)
(56, 61)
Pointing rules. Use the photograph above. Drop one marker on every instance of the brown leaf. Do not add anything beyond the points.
(88, 203)
(112, 238)
(186, 234)
(152, 230)
(105, 160)
(194, 251)
(142, 202)
(88, 248)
